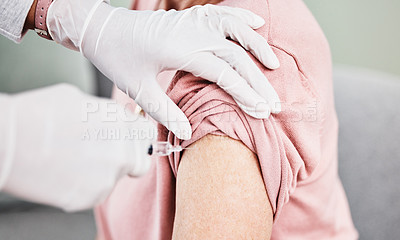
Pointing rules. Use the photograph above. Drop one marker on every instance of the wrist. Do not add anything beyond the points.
(42, 7)
(36, 18)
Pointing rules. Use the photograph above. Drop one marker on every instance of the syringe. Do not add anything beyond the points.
(163, 149)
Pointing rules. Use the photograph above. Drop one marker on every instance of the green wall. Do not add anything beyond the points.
(37, 62)
(361, 32)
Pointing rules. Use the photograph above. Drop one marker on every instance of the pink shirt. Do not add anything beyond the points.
(297, 149)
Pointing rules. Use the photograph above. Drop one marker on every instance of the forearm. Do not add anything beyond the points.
(30, 19)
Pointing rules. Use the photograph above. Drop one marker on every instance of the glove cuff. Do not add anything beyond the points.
(87, 21)
(7, 138)
(94, 28)
(67, 20)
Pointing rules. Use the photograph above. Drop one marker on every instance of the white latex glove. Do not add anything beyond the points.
(63, 148)
(133, 47)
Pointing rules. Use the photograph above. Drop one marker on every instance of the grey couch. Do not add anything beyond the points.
(368, 106)
(369, 152)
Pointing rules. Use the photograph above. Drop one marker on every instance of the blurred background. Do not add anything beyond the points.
(365, 40)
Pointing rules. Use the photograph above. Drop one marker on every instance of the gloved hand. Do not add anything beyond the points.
(63, 148)
(133, 47)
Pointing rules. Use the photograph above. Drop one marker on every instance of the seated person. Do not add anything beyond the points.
(244, 178)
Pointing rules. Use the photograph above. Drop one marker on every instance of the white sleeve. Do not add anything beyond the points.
(12, 18)
(51, 152)
(6, 138)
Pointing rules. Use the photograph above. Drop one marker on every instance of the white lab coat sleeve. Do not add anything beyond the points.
(51, 152)
(12, 18)
(6, 138)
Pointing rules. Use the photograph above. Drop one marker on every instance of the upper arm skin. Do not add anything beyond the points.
(220, 193)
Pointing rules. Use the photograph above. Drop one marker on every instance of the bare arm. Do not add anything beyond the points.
(220, 193)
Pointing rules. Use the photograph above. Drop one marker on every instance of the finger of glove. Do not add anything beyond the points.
(246, 16)
(153, 100)
(251, 41)
(214, 69)
(239, 60)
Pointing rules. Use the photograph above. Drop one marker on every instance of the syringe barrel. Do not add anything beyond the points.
(160, 148)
